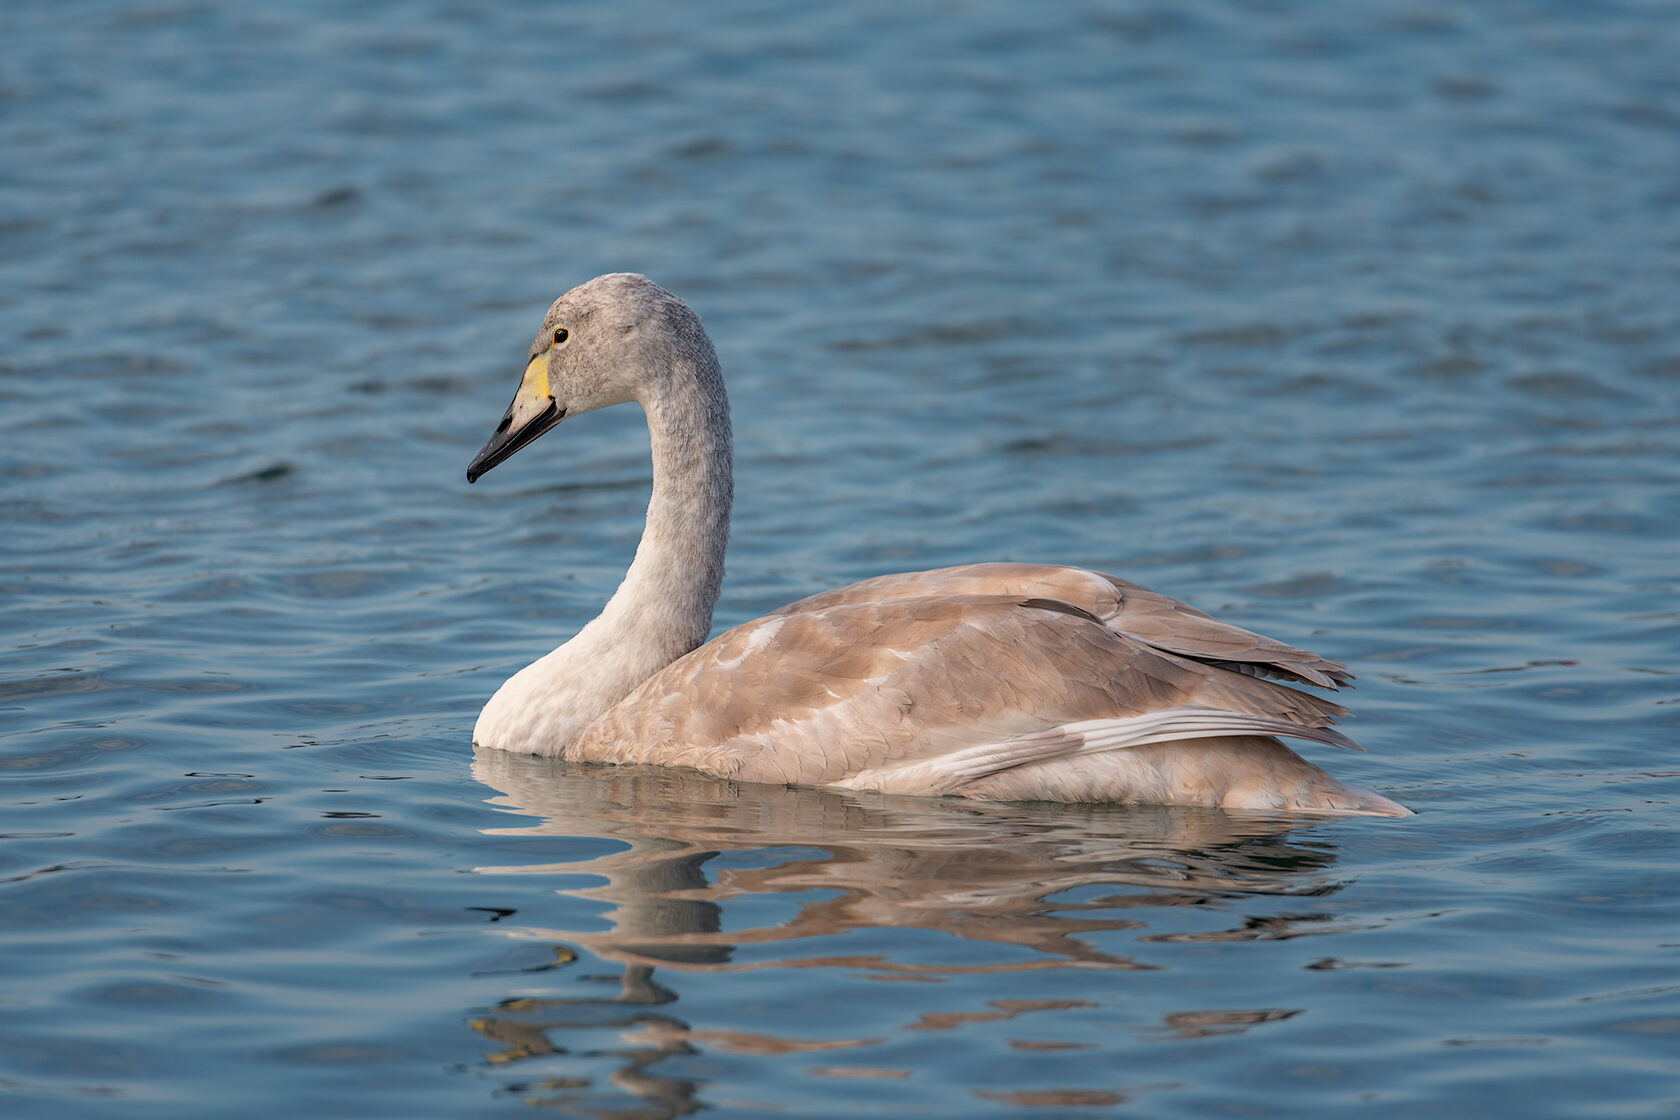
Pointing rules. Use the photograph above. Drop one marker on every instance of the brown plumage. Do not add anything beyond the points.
(893, 677)
(997, 681)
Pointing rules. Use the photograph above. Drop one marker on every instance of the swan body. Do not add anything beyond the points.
(996, 681)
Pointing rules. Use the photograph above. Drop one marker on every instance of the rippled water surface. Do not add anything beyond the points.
(1356, 324)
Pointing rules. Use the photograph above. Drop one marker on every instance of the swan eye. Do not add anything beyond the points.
(561, 334)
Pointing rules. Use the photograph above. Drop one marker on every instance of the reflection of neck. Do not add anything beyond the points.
(663, 608)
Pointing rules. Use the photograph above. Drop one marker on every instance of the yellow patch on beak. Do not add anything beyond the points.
(533, 412)
(535, 383)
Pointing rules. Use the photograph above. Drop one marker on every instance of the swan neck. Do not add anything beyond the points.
(663, 608)
(677, 575)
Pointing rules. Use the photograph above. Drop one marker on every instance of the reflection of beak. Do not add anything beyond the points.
(532, 413)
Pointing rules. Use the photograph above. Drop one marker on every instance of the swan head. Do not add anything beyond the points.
(616, 339)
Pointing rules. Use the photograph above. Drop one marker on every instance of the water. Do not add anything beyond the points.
(1358, 325)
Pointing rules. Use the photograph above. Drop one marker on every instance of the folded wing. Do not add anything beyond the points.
(940, 680)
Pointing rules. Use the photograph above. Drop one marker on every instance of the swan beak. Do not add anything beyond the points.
(532, 413)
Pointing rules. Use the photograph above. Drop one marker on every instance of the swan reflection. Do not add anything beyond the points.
(710, 877)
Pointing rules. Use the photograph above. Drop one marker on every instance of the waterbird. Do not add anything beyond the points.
(998, 681)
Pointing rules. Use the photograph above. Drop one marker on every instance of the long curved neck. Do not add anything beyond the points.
(663, 608)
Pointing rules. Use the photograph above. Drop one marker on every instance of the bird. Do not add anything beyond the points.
(1000, 681)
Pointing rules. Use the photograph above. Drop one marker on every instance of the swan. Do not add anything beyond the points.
(997, 681)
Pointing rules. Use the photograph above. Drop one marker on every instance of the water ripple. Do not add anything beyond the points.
(1356, 325)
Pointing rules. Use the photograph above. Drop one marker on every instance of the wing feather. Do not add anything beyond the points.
(1120, 604)
(948, 773)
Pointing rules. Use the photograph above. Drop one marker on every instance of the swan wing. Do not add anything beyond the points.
(1121, 605)
(938, 691)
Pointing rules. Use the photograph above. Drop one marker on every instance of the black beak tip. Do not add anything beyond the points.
(505, 442)
(483, 461)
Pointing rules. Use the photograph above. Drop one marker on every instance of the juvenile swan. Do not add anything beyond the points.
(1005, 682)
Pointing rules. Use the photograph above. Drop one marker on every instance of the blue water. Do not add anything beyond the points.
(1358, 325)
